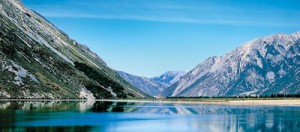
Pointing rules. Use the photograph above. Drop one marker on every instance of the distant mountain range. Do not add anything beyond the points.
(37, 60)
(153, 86)
(169, 78)
(264, 66)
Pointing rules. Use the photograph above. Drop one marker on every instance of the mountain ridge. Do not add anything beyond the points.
(155, 85)
(254, 67)
(40, 61)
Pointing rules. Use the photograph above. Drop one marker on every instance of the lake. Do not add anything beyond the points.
(143, 117)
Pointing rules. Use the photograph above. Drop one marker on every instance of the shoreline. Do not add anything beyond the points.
(277, 102)
(266, 101)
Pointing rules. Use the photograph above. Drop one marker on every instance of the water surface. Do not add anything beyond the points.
(142, 117)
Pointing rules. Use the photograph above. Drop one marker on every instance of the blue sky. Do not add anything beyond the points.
(149, 37)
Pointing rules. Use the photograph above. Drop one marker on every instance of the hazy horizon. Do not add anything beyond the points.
(148, 38)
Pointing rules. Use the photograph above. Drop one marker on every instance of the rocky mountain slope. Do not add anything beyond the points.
(169, 77)
(37, 60)
(263, 66)
(153, 86)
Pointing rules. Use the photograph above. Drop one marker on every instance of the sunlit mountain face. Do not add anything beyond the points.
(264, 66)
(153, 86)
(37, 60)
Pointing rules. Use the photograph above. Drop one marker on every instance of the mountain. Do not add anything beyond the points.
(37, 60)
(153, 86)
(169, 77)
(267, 65)
(146, 85)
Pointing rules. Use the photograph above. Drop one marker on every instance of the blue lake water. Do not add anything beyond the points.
(144, 117)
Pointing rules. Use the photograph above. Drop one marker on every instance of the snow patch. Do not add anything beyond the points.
(281, 72)
(4, 94)
(217, 64)
(246, 49)
(111, 92)
(24, 42)
(248, 92)
(276, 59)
(19, 71)
(259, 63)
(270, 76)
(38, 60)
(84, 93)
(41, 40)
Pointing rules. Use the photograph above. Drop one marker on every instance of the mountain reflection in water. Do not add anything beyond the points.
(123, 116)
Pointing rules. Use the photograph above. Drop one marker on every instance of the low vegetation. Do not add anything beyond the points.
(234, 98)
(101, 79)
(246, 96)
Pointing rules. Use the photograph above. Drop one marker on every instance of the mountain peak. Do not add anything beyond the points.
(173, 73)
(169, 77)
(153, 86)
(264, 65)
(296, 34)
